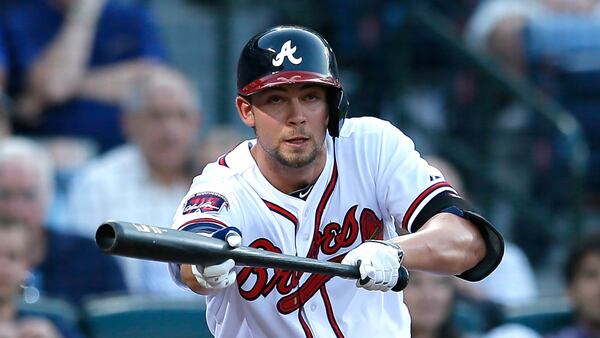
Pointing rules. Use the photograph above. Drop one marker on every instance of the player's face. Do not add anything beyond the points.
(585, 289)
(13, 261)
(290, 123)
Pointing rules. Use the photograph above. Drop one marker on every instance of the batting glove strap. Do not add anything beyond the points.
(393, 245)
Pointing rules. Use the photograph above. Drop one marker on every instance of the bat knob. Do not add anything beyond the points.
(403, 278)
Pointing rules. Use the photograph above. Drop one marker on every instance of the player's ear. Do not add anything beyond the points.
(244, 108)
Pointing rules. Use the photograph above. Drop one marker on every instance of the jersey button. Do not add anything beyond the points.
(313, 307)
(305, 237)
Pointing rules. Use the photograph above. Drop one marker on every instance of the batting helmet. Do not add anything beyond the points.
(292, 54)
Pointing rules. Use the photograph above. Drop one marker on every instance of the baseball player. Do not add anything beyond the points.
(314, 184)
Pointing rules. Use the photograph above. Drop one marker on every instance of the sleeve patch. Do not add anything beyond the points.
(206, 225)
(205, 202)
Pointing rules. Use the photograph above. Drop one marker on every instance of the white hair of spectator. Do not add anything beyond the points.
(32, 155)
(490, 13)
(160, 77)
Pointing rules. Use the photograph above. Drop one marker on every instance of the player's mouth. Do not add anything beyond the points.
(297, 141)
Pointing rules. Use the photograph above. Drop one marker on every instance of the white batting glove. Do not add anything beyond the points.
(378, 263)
(222, 275)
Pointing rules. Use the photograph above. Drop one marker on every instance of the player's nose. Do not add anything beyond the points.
(296, 112)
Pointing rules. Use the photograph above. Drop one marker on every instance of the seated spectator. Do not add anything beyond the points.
(144, 180)
(582, 278)
(64, 266)
(430, 300)
(14, 263)
(68, 70)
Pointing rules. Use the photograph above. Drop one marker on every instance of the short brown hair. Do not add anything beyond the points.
(587, 244)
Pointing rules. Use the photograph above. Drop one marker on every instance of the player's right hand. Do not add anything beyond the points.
(220, 275)
(378, 263)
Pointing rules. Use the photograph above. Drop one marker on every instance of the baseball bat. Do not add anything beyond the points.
(173, 246)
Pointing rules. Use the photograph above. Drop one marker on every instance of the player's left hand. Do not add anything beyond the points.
(378, 263)
(222, 275)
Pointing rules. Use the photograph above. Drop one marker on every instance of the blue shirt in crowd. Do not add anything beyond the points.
(74, 268)
(124, 33)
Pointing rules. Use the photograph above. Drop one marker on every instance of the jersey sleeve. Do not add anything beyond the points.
(207, 207)
(405, 183)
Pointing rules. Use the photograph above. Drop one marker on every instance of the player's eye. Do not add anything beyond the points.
(275, 99)
(313, 96)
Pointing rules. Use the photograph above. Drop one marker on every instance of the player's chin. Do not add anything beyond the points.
(298, 160)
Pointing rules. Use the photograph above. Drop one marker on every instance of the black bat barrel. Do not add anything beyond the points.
(158, 244)
(168, 245)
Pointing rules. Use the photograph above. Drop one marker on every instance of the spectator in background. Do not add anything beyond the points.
(582, 278)
(14, 263)
(430, 301)
(553, 43)
(71, 61)
(144, 180)
(64, 266)
(498, 27)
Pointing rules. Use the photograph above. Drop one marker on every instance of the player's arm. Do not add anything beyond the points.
(446, 244)
(448, 236)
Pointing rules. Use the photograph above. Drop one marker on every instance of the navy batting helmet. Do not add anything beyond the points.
(292, 54)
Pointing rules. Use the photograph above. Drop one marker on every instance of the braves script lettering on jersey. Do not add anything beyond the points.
(373, 179)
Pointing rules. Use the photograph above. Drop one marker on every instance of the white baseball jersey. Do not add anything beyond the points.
(373, 179)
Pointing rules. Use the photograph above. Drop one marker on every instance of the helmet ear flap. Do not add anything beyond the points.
(338, 108)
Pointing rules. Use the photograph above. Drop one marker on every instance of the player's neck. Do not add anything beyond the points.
(287, 179)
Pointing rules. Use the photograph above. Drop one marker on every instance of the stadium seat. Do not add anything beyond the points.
(132, 317)
(52, 308)
(543, 318)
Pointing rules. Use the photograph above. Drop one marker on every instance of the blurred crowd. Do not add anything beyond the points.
(97, 123)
